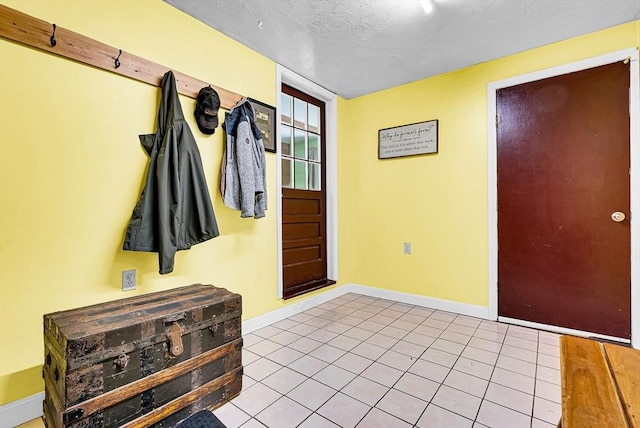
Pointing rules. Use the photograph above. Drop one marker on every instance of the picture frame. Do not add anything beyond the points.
(408, 140)
(265, 117)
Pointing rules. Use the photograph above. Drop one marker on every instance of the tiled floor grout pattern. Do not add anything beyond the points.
(358, 361)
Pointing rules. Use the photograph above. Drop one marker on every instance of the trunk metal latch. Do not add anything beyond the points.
(174, 334)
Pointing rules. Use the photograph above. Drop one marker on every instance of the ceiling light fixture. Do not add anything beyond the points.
(426, 5)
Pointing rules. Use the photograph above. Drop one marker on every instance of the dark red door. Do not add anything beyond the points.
(563, 170)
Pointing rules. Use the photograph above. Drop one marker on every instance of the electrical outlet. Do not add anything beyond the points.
(128, 280)
(407, 247)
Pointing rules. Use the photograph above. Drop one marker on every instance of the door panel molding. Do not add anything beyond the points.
(284, 75)
(492, 196)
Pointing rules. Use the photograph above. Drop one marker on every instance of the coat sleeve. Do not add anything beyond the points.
(246, 165)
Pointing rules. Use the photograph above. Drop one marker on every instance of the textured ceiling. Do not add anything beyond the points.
(356, 47)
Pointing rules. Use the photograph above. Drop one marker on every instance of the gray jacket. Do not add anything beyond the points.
(174, 211)
(243, 181)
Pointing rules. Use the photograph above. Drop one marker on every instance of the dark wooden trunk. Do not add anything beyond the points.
(150, 360)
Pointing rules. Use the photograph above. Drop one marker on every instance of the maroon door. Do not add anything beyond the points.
(563, 170)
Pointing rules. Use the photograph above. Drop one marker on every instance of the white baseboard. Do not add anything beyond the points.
(21, 411)
(26, 409)
(261, 321)
(258, 322)
(418, 300)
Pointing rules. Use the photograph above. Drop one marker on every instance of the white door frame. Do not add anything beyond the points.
(284, 75)
(634, 113)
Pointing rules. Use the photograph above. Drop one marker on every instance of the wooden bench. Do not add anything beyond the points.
(600, 384)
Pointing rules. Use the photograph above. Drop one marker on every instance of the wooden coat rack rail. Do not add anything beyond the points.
(27, 30)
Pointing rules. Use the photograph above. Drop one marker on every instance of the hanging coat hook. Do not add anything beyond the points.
(52, 39)
(118, 59)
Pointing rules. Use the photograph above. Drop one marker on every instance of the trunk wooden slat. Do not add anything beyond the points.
(149, 360)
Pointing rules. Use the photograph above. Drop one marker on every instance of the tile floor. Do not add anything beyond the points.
(358, 361)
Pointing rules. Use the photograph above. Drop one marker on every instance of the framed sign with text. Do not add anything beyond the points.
(408, 140)
(266, 121)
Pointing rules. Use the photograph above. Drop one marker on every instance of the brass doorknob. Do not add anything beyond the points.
(618, 216)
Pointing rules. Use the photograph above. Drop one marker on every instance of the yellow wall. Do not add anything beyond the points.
(71, 169)
(436, 202)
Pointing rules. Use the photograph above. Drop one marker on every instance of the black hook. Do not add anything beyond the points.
(118, 59)
(52, 39)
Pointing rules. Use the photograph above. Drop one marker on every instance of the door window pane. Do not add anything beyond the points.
(286, 101)
(285, 139)
(300, 174)
(315, 182)
(287, 170)
(300, 113)
(314, 118)
(314, 147)
(300, 151)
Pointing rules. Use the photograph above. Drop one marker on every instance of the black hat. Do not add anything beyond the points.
(207, 105)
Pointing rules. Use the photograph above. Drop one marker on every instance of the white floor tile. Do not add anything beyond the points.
(327, 353)
(467, 383)
(402, 406)
(285, 337)
(475, 368)
(460, 328)
(546, 410)
(358, 333)
(317, 421)
(369, 350)
(344, 342)
(481, 355)
(451, 336)
(376, 418)
(264, 347)
(516, 365)
(334, 376)
(429, 370)
(519, 353)
(436, 416)
(548, 391)
(485, 344)
(495, 416)
(282, 356)
(284, 380)
(284, 413)
(360, 360)
(308, 365)
(365, 390)
(408, 348)
(311, 394)
(548, 375)
(513, 380)
(511, 398)
(448, 346)
(256, 399)
(305, 345)
(396, 360)
(382, 374)
(439, 357)
(353, 363)
(344, 410)
(231, 416)
(457, 401)
(493, 336)
(321, 335)
(253, 423)
(417, 386)
(261, 368)
(382, 341)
